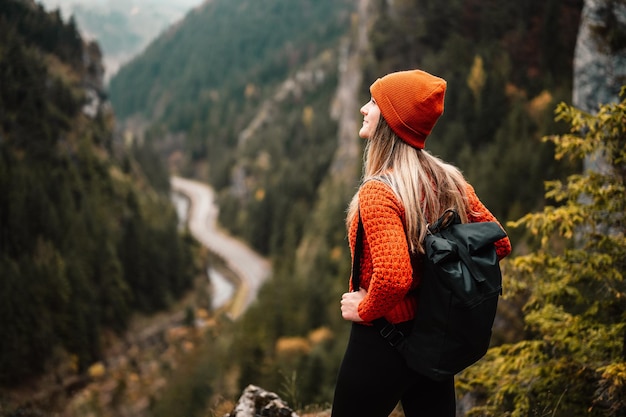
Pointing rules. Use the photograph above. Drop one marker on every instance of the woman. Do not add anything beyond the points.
(403, 189)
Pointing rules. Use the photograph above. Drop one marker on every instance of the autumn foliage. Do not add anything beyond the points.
(573, 360)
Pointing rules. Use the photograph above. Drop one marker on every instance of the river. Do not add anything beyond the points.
(195, 206)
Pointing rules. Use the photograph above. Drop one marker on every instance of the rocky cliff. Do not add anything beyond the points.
(600, 58)
(600, 55)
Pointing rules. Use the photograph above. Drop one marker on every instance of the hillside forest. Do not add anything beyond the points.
(88, 236)
(250, 97)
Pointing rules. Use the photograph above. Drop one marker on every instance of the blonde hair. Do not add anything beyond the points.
(425, 185)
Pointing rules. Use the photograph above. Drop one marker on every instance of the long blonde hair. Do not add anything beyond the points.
(425, 185)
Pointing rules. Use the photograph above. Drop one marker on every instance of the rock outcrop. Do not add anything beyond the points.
(256, 401)
(599, 60)
(600, 56)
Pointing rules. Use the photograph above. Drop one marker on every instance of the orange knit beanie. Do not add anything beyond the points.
(411, 103)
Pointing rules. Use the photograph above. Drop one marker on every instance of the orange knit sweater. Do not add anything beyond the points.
(386, 270)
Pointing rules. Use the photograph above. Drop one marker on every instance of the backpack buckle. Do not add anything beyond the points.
(392, 335)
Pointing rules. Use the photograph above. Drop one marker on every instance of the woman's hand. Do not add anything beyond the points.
(350, 304)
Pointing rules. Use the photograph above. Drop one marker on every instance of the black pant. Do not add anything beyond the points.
(374, 377)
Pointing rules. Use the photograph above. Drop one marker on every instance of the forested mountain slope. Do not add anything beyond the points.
(249, 86)
(228, 65)
(87, 235)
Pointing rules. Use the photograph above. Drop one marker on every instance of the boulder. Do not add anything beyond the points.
(256, 402)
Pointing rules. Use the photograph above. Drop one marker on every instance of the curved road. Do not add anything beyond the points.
(250, 267)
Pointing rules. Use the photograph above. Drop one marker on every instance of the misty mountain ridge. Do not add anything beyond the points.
(122, 28)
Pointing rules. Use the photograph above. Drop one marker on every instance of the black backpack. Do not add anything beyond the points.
(458, 297)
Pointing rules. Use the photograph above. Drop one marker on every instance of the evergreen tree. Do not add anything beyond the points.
(573, 361)
(65, 271)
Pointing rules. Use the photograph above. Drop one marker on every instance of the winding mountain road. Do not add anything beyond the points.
(250, 267)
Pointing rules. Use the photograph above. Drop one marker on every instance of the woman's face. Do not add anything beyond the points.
(371, 115)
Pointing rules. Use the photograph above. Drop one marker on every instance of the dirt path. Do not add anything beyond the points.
(250, 267)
